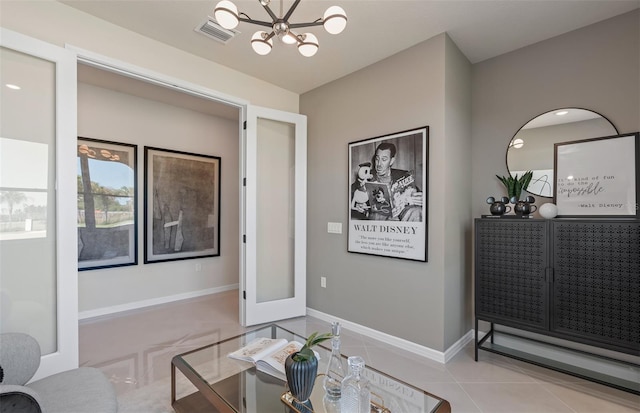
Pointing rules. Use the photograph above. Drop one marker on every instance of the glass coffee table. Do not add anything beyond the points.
(229, 385)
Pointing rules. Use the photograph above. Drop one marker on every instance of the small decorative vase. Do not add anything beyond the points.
(301, 376)
(548, 210)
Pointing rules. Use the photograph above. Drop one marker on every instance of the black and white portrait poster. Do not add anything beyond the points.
(388, 195)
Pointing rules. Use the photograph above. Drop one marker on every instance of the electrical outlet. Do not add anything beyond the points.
(323, 282)
(198, 267)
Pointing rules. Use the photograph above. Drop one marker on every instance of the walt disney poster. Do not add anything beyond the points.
(388, 195)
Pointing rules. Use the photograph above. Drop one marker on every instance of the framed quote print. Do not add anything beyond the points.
(598, 177)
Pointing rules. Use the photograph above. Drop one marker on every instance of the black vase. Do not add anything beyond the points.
(301, 375)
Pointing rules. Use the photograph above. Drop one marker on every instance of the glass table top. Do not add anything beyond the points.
(236, 386)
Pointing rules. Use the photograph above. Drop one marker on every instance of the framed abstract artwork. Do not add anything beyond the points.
(107, 204)
(388, 195)
(181, 205)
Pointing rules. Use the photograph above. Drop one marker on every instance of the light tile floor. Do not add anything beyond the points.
(135, 349)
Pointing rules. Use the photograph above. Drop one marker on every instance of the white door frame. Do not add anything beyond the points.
(245, 127)
(125, 69)
(66, 356)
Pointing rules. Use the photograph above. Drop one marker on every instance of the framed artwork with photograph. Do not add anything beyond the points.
(181, 205)
(388, 195)
(107, 204)
(598, 177)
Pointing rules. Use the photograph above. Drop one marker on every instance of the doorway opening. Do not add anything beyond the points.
(128, 108)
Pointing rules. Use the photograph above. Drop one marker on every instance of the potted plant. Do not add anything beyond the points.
(515, 185)
(301, 368)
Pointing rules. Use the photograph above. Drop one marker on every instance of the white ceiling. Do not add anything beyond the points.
(376, 29)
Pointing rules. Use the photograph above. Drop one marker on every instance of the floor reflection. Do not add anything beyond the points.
(134, 350)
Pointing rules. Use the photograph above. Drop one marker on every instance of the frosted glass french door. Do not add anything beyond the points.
(38, 242)
(274, 253)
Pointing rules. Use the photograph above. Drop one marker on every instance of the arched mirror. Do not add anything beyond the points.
(531, 148)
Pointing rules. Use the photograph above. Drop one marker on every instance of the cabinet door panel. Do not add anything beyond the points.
(597, 282)
(511, 259)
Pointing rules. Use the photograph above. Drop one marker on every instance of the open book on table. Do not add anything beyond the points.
(268, 354)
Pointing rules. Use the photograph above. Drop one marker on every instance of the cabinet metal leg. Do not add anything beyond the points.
(476, 341)
(480, 340)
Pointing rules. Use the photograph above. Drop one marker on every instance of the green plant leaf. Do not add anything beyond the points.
(515, 184)
(526, 178)
(306, 353)
(518, 188)
(511, 189)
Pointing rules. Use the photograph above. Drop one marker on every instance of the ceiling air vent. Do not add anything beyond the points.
(213, 30)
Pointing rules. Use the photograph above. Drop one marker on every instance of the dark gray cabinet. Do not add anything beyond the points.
(574, 279)
(595, 294)
(511, 261)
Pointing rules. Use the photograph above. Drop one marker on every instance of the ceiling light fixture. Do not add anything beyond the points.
(334, 22)
(85, 150)
(516, 143)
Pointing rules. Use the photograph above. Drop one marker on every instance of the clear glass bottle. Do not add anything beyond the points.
(356, 393)
(331, 405)
(335, 369)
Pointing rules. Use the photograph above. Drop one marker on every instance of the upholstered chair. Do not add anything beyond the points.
(81, 390)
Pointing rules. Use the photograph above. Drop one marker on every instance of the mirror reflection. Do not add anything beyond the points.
(531, 148)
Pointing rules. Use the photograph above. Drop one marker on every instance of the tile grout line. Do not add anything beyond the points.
(468, 395)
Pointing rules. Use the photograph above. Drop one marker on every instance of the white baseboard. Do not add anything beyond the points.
(439, 356)
(106, 311)
(458, 345)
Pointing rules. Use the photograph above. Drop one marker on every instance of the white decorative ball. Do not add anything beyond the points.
(548, 210)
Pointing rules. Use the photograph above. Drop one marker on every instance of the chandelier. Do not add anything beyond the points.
(334, 22)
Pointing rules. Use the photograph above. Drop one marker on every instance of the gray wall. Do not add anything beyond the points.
(457, 198)
(596, 67)
(428, 84)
